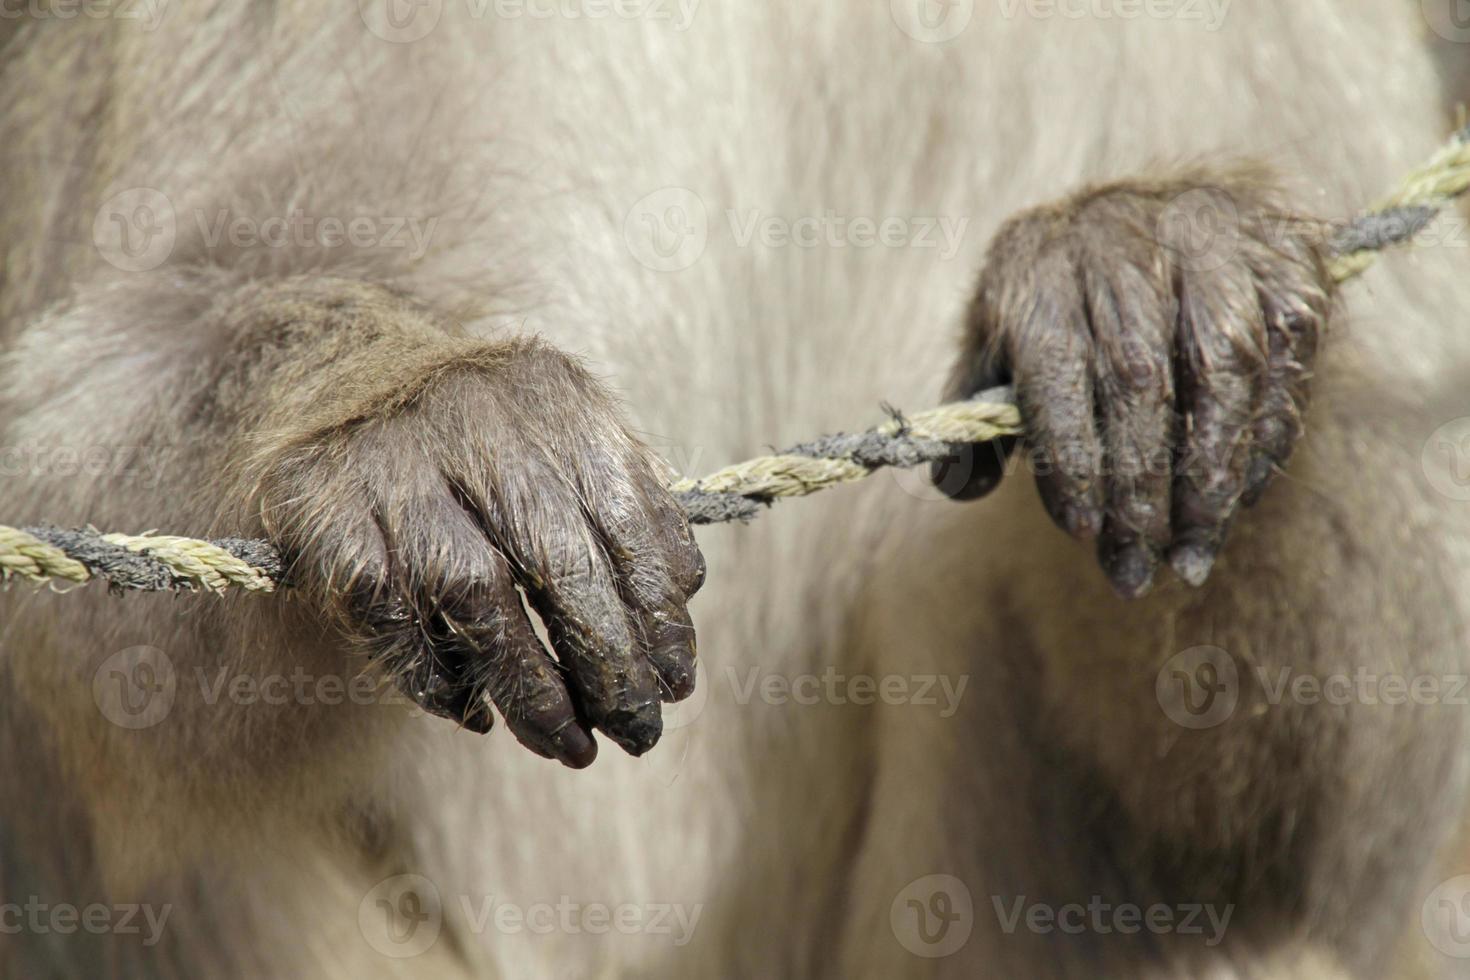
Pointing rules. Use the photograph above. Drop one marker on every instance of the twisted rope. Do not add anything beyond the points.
(148, 563)
(736, 493)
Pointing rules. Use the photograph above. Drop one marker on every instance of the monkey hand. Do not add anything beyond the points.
(415, 521)
(1159, 336)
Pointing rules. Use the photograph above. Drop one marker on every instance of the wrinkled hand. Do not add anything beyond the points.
(1160, 336)
(417, 531)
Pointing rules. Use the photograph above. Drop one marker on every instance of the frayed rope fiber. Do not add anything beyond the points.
(736, 493)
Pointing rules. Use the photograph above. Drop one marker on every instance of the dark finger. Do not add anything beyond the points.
(638, 545)
(1222, 361)
(1053, 366)
(1295, 313)
(667, 639)
(353, 567)
(478, 645)
(1135, 393)
(675, 537)
(562, 566)
(399, 640)
(615, 479)
(973, 470)
(488, 631)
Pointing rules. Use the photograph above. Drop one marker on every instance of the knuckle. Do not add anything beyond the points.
(1215, 489)
(623, 519)
(695, 570)
(473, 617)
(1139, 364)
(650, 585)
(1074, 461)
(1139, 513)
(569, 560)
(383, 615)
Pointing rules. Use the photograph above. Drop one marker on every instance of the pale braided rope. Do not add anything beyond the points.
(23, 554)
(157, 562)
(204, 562)
(145, 562)
(738, 492)
(1421, 195)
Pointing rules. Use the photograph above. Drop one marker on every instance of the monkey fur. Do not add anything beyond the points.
(459, 447)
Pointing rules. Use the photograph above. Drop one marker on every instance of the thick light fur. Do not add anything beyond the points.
(792, 827)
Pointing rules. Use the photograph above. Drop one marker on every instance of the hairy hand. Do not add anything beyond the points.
(1160, 336)
(506, 473)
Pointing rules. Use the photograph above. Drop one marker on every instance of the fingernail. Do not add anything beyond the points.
(968, 473)
(675, 673)
(1081, 523)
(955, 478)
(573, 747)
(1131, 570)
(672, 655)
(478, 718)
(1193, 560)
(635, 730)
(1257, 477)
